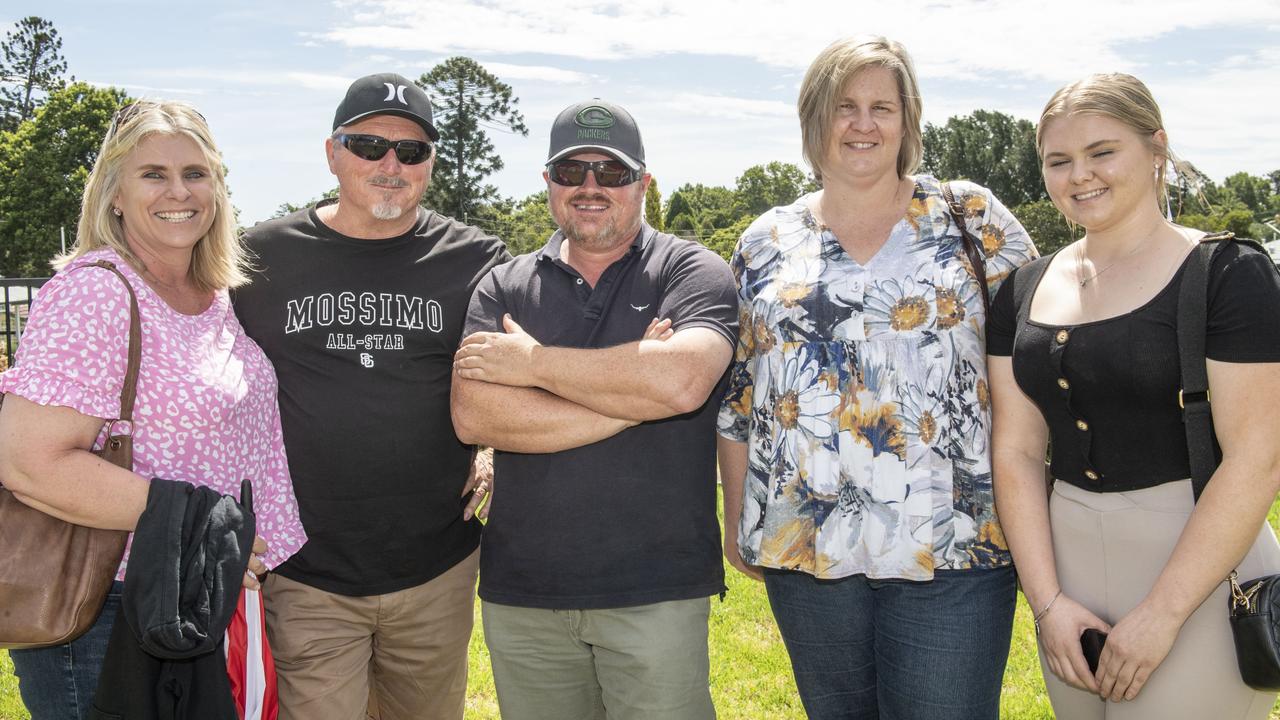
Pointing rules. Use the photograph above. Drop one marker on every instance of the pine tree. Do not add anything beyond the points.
(31, 64)
(653, 207)
(467, 100)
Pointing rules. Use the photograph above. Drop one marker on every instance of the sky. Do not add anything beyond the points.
(712, 83)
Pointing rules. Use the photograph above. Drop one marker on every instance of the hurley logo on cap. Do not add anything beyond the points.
(594, 123)
(395, 92)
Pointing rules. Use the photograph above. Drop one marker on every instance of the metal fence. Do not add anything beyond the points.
(17, 294)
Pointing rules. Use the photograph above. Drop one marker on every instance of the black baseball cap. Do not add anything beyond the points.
(597, 125)
(386, 94)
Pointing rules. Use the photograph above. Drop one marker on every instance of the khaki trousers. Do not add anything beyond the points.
(398, 656)
(1110, 548)
(648, 662)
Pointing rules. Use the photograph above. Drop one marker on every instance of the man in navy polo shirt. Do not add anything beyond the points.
(595, 366)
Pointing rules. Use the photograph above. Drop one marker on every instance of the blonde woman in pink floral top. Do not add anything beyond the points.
(156, 207)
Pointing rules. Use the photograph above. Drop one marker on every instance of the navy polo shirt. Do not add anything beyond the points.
(629, 520)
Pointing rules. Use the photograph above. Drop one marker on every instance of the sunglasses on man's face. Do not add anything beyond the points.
(609, 173)
(374, 148)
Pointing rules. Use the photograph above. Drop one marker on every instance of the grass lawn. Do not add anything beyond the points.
(750, 674)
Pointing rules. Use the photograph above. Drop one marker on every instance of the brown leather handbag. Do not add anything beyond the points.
(55, 575)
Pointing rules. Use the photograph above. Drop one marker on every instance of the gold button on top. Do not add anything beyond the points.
(1062, 383)
(1091, 474)
(1062, 336)
(1082, 425)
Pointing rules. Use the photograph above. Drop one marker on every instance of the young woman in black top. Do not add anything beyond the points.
(1120, 546)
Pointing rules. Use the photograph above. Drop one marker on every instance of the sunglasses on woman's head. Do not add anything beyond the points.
(129, 111)
(373, 148)
(609, 173)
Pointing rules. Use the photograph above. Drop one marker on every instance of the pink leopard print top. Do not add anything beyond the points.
(206, 410)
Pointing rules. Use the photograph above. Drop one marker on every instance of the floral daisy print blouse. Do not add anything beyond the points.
(861, 391)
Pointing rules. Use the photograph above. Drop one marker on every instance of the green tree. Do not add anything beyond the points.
(1238, 220)
(1254, 192)
(523, 225)
(709, 207)
(683, 225)
(467, 100)
(723, 241)
(761, 187)
(1046, 226)
(31, 62)
(43, 168)
(677, 205)
(287, 208)
(990, 148)
(653, 207)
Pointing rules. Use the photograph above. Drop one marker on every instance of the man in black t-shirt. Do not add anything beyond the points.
(600, 556)
(359, 303)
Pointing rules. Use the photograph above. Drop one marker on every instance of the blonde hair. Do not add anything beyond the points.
(824, 83)
(218, 259)
(1121, 97)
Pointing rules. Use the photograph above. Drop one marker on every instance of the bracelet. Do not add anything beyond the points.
(1038, 616)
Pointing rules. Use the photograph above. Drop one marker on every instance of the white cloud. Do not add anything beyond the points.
(540, 73)
(145, 90)
(1223, 119)
(722, 107)
(1042, 39)
(316, 81)
(253, 78)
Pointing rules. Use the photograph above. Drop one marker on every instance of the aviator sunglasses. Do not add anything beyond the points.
(373, 147)
(609, 173)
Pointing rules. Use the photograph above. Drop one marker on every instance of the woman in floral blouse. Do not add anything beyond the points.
(854, 443)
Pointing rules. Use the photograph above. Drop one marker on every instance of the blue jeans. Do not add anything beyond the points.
(58, 683)
(897, 650)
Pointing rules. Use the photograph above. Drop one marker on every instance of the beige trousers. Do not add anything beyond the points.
(1110, 548)
(398, 656)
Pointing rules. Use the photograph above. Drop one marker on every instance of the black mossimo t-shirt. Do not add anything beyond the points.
(362, 335)
(629, 520)
(1116, 413)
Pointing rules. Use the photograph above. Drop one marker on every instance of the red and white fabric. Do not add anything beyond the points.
(249, 663)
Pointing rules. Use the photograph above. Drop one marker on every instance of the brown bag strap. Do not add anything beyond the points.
(970, 244)
(130, 391)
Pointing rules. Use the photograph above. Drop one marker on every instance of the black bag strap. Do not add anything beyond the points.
(1193, 318)
(972, 248)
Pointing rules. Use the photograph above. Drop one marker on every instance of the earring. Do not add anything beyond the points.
(117, 211)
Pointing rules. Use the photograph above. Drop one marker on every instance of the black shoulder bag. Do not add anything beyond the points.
(1254, 606)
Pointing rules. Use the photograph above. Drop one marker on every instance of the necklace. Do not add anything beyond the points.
(1113, 263)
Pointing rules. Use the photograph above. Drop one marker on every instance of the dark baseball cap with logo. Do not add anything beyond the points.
(600, 126)
(386, 94)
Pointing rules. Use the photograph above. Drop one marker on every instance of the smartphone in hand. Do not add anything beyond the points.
(1091, 642)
